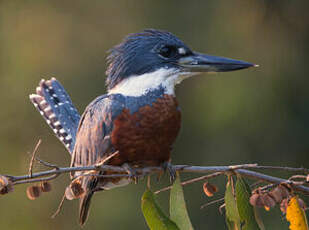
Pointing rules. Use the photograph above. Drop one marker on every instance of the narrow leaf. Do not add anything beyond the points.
(155, 218)
(231, 225)
(231, 211)
(296, 215)
(245, 209)
(178, 209)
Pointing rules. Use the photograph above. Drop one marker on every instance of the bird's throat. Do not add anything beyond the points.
(140, 85)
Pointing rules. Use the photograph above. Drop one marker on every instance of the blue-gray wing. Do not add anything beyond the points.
(93, 139)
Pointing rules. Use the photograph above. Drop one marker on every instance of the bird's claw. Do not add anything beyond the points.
(133, 176)
(167, 166)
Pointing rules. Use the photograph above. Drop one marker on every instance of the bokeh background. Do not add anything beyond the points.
(257, 115)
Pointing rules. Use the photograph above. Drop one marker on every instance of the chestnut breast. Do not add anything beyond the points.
(146, 136)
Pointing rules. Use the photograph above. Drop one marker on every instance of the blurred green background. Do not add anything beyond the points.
(258, 115)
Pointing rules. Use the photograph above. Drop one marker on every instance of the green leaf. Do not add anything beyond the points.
(231, 211)
(155, 218)
(245, 209)
(231, 225)
(178, 210)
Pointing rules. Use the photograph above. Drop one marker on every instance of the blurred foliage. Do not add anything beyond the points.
(258, 115)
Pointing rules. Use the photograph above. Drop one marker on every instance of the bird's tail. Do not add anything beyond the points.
(84, 204)
(56, 107)
(89, 185)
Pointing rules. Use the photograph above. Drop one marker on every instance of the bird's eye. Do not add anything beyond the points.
(168, 51)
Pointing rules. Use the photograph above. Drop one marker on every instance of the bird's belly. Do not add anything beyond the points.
(145, 137)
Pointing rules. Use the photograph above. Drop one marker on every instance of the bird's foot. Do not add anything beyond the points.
(133, 176)
(167, 166)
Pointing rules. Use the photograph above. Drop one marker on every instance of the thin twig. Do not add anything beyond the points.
(48, 178)
(148, 182)
(59, 207)
(212, 202)
(301, 177)
(233, 167)
(192, 181)
(256, 183)
(107, 159)
(267, 187)
(47, 164)
(289, 169)
(33, 157)
(221, 207)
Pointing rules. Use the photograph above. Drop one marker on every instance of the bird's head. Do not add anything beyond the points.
(152, 59)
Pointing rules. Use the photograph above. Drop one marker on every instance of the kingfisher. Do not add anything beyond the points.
(137, 121)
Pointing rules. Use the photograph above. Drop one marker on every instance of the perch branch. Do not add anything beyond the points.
(242, 170)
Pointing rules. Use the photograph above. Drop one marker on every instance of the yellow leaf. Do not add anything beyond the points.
(296, 215)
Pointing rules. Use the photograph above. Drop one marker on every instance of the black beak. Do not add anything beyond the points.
(198, 62)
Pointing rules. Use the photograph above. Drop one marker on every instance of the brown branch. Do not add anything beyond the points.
(33, 180)
(49, 165)
(148, 170)
(212, 202)
(58, 210)
(238, 169)
(288, 169)
(212, 175)
(272, 180)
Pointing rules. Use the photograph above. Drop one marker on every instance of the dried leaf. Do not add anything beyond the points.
(46, 186)
(256, 200)
(268, 201)
(209, 189)
(302, 203)
(33, 192)
(6, 185)
(296, 215)
(284, 205)
(277, 194)
(285, 191)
